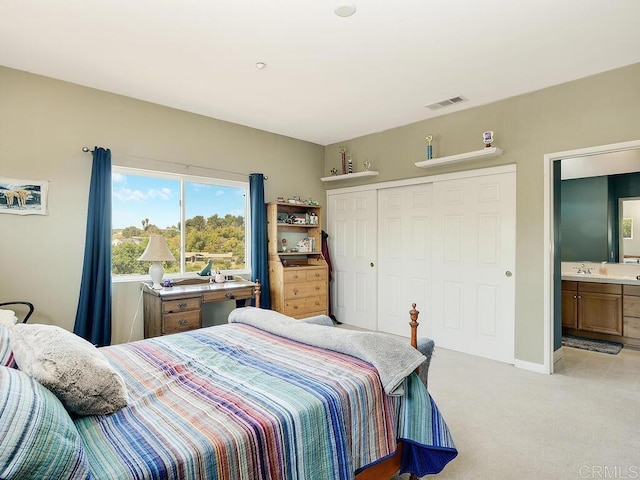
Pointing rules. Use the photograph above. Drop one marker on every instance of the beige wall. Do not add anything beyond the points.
(44, 123)
(597, 110)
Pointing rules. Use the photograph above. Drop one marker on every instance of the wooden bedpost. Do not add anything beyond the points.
(413, 314)
(257, 292)
(391, 465)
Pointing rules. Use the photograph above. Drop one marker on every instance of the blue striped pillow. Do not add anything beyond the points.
(6, 354)
(38, 438)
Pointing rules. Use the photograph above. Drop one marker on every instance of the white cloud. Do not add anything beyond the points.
(118, 178)
(128, 195)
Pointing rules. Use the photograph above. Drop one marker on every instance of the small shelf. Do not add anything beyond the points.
(461, 157)
(298, 225)
(345, 176)
(286, 254)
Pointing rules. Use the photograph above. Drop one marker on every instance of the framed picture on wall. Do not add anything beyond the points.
(23, 197)
(627, 228)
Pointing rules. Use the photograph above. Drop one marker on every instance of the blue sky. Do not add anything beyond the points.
(158, 199)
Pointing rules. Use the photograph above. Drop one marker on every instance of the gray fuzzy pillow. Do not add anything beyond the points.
(73, 369)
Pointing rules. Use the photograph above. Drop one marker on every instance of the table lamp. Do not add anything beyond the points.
(157, 251)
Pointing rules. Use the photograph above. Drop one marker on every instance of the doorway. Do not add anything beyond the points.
(551, 271)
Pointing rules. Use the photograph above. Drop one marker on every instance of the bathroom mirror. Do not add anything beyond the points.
(595, 192)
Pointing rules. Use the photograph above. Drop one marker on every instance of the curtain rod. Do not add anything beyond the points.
(88, 150)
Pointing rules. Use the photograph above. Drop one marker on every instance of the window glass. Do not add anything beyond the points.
(202, 219)
(214, 226)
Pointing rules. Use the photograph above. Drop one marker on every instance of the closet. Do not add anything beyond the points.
(445, 242)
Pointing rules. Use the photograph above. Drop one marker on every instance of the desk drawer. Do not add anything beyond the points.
(180, 322)
(235, 293)
(306, 307)
(183, 305)
(304, 289)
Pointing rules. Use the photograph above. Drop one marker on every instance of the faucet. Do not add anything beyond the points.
(582, 269)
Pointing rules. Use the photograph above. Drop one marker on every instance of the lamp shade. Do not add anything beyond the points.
(157, 251)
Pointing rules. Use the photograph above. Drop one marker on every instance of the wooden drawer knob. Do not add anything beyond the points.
(182, 305)
(182, 322)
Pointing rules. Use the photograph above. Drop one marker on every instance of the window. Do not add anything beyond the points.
(202, 219)
(627, 228)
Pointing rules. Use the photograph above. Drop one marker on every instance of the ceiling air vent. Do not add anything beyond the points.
(446, 103)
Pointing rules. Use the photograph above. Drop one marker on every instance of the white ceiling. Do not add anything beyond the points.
(328, 78)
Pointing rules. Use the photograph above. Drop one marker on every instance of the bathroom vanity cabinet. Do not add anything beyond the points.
(592, 307)
(603, 311)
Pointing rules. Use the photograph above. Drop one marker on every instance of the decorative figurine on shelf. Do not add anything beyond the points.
(284, 244)
(367, 165)
(487, 138)
(334, 171)
(349, 164)
(206, 271)
(429, 139)
(343, 156)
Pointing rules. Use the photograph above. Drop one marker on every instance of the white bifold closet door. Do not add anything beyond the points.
(353, 233)
(404, 257)
(446, 245)
(473, 294)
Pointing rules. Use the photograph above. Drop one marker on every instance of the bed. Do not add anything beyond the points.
(263, 397)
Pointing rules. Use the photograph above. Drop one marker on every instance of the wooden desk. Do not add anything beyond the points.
(179, 308)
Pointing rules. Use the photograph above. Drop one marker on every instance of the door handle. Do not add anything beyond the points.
(508, 273)
(371, 265)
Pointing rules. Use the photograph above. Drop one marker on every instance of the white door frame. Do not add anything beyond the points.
(548, 235)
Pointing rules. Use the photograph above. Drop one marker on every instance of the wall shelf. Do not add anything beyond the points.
(346, 176)
(461, 157)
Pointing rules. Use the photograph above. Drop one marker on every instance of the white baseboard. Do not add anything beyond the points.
(533, 367)
(558, 354)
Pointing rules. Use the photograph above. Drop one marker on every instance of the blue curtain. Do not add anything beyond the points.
(93, 318)
(259, 258)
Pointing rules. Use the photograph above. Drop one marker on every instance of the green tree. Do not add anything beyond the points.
(211, 236)
(124, 259)
(131, 232)
(153, 230)
(196, 222)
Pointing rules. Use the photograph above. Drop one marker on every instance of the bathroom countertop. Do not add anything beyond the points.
(596, 277)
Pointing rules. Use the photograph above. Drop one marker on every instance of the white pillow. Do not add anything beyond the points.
(69, 366)
(8, 318)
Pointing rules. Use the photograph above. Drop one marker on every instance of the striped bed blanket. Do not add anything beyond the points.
(236, 402)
